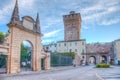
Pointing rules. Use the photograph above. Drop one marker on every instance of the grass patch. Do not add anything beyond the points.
(102, 65)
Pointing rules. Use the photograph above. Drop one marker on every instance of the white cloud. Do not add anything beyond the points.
(47, 41)
(100, 14)
(110, 22)
(52, 20)
(85, 27)
(6, 10)
(51, 34)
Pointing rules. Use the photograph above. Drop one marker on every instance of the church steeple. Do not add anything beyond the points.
(15, 15)
(37, 24)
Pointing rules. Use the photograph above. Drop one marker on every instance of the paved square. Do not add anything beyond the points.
(71, 73)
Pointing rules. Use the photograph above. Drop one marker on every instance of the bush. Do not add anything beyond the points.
(102, 66)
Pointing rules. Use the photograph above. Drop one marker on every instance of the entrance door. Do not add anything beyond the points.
(92, 60)
(26, 56)
(42, 64)
(3, 63)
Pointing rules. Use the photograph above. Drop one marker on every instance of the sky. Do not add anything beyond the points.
(100, 18)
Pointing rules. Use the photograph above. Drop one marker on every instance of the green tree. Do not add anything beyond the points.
(23, 53)
(1, 37)
(71, 54)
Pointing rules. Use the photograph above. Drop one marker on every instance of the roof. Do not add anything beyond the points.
(73, 40)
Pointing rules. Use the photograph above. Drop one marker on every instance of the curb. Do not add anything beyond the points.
(99, 77)
(35, 73)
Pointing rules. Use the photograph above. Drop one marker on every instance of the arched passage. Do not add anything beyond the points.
(26, 56)
(103, 59)
(92, 60)
(3, 63)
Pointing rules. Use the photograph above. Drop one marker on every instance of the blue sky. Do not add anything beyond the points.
(100, 18)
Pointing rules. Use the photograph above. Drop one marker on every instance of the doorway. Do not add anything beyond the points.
(26, 56)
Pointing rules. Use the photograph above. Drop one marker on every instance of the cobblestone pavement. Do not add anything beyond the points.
(71, 73)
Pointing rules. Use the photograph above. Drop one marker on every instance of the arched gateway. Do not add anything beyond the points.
(25, 30)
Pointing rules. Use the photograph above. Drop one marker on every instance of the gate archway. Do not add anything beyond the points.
(27, 29)
(26, 56)
(104, 59)
(3, 63)
(92, 60)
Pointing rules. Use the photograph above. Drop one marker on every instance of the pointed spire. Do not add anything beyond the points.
(15, 15)
(38, 24)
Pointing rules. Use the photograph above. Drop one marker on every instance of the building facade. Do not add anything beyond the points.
(51, 47)
(117, 51)
(99, 53)
(72, 26)
(77, 46)
(72, 46)
(72, 41)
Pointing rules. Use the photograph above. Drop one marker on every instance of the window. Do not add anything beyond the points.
(64, 50)
(82, 51)
(59, 44)
(83, 57)
(75, 50)
(70, 44)
(75, 43)
(47, 47)
(70, 50)
(82, 43)
(64, 44)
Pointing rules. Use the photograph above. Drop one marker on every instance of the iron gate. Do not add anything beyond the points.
(60, 60)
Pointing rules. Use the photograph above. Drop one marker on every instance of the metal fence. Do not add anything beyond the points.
(60, 60)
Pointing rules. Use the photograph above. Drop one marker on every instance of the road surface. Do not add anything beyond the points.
(77, 73)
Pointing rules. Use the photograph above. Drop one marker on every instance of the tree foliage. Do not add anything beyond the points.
(23, 53)
(71, 54)
(1, 37)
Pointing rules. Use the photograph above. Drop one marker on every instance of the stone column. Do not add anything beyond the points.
(47, 61)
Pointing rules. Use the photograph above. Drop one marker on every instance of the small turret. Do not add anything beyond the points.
(37, 24)
(15, 16)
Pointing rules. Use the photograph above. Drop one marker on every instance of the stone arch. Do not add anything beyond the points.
(26, 60)
(3, 63)
(103, 59)
(92, 60)
(20, 30)
(17, 35)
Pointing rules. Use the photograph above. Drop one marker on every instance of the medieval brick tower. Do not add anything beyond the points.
(72, 26)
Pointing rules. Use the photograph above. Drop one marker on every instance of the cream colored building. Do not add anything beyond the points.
(51, 47)
(77, 46)
(117, 51)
